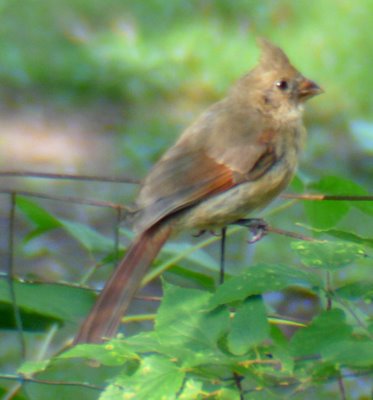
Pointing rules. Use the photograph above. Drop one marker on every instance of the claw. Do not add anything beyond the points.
(203, 231)
(257, 226)
(259, 234)
(199, 233)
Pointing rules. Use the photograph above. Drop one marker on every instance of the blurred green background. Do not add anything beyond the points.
(103, 88)
(120, 79)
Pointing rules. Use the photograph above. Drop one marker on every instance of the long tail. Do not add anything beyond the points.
(105, 316)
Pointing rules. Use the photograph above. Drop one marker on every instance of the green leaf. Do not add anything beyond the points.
(192, 390)
(280, 349)
(327, 328)
(156, 378)
(112, 353)
(90, 239)
(144, 342)
(28, 368)
(370, 327)
(36, 214)
(249, 326)
(227, 394)
(326, 214)
(328, 255)
(348, 236)
(357, 291)
(51, 299)
(264, 394)
(40, 218)
(259, 279)
(4, 392)
(297, 184)
(201, 279)
(31, 321)
(350, 353)
(186, 329)
(198, 256)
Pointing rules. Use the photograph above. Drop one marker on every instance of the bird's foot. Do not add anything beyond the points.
(257, 227)
(203, 231)
(199, 233)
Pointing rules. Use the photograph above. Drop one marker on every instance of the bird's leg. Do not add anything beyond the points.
(222, 254)
(257, 226)
(223, 235)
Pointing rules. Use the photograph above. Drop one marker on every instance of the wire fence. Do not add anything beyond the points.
(10, 276)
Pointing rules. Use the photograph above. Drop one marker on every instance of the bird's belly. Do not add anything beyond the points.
(225, 208)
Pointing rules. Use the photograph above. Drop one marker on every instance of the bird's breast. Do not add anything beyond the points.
(227, 207)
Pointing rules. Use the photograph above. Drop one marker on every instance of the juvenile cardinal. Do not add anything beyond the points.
(235, 158)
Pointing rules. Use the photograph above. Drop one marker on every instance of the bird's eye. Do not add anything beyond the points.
(282, 85)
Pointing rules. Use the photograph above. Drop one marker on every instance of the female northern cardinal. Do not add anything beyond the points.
(236, 157)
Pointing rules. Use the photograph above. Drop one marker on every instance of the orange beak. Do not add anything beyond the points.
(308, 89)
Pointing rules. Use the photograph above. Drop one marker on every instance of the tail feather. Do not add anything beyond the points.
(105, 316)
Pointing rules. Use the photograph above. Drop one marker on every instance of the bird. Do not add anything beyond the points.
(235, 158)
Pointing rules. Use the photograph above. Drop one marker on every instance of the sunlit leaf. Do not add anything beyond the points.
(111, 353)
(28, 368)
(144, 342)
(227, 394)
(328, 255)
(156, 378)
(186, 329)
(192, 390)
(349, 236)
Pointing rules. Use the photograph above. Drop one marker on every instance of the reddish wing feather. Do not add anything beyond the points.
(186, 179)
(178, 183)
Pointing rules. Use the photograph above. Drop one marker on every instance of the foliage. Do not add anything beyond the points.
(293, 318)
(207, 339)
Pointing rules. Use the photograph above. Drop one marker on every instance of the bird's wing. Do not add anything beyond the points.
(186, 177)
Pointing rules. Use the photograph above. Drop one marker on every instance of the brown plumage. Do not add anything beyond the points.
(235, 158)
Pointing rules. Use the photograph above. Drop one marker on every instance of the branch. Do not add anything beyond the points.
(77, 200)
(291, 234)
(22, 379)
(71, 177)
(322, 197)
